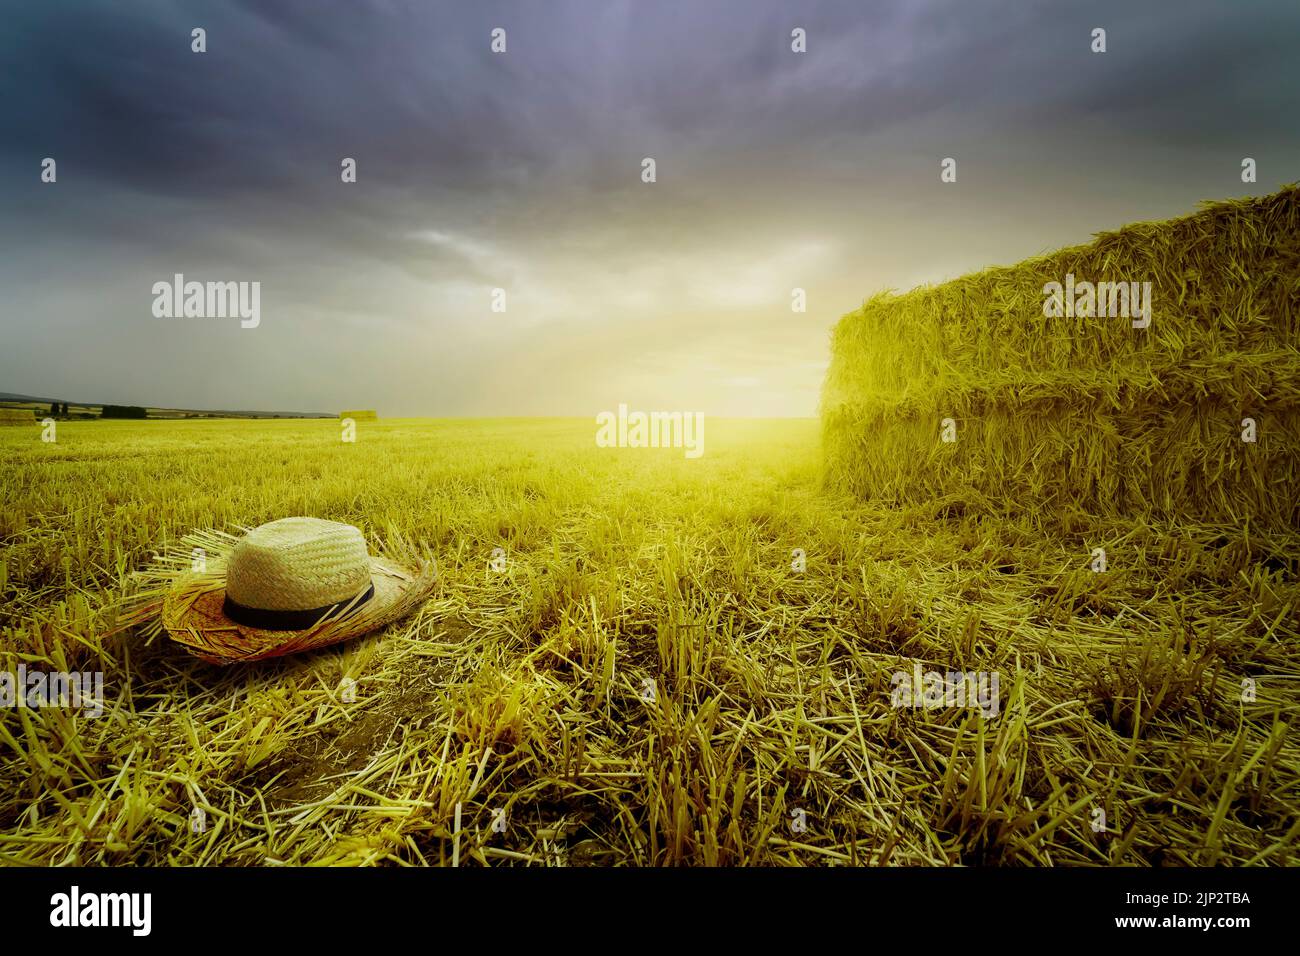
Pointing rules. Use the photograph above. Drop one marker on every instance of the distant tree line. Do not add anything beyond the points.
(123, 411)
(58, 408)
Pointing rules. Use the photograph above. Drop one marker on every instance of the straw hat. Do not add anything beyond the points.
(286, 586)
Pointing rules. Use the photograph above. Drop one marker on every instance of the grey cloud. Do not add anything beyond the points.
(228, 163)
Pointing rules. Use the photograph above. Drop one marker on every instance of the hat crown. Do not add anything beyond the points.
(297, 564)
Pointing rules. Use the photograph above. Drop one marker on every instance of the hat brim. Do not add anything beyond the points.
(195, 617)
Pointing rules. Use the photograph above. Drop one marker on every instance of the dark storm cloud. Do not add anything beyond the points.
(286, 84)
(522, 170)
(288, 87)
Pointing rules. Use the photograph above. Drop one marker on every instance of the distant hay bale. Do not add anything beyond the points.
(17, 416)
(1054, 415)
(364, 414)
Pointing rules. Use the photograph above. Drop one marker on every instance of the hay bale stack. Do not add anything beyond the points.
(17, 416)
(1054, 415)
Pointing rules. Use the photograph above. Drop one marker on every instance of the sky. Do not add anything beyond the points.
(523, 171)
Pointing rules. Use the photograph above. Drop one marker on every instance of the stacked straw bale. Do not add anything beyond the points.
(1057, 415)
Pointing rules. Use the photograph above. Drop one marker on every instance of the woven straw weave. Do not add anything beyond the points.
(296, 564)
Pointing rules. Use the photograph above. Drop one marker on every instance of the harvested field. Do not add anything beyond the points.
(650, 680)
